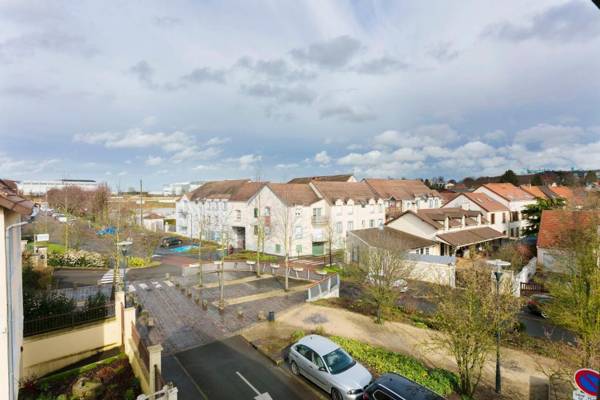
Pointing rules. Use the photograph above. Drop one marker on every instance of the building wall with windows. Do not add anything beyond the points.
(516, 220)
(38, 188)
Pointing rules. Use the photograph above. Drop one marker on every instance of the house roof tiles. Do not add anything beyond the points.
(11, 200)
(468, 237)
(294, 193)
(484, 201)
(400, 189)
(391, 239)
(508, 191)
(355, 191)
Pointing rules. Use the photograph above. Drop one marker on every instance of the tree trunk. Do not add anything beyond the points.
(287, 272)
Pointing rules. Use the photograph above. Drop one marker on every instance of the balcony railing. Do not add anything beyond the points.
(320, 219)
(68, 320)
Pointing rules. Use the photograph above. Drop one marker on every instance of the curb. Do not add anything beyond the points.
(276, 361)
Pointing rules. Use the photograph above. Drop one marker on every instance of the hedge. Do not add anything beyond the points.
(380, 361)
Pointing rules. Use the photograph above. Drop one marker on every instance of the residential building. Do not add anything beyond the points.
(401, 195)
(348, 206)
(180, 188)
(515, 199)
(496, 213)
(453, 229)
(12, 209)
(417, 253)
(325, 178)
(40, 188)
(556, 226)
(572, 196)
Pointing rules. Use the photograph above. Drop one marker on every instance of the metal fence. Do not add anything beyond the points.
(81, 294)
(142, 350)
(68, 320)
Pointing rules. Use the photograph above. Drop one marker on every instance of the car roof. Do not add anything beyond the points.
(319, 344)
(406, 388)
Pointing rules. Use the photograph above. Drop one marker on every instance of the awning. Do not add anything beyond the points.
(468, 237)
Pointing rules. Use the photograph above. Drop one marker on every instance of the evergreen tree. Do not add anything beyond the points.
(537, 180)
(590, 177)
(510, 177)
(533, 213)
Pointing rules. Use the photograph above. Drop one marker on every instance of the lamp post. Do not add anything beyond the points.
(498, 264)
(124, 247)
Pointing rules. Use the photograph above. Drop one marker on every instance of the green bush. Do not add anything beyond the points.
(77, 259)
(297, 335)
(136, 262)
(380, 361)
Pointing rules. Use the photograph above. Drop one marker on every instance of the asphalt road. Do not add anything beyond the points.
(66, 278)
(232, 369)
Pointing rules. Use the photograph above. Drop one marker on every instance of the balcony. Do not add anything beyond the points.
(320, 219)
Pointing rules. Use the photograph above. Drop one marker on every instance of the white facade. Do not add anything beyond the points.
(498, 220)
(11, 326)
(179, 188)
(516, 221)
(39, 188)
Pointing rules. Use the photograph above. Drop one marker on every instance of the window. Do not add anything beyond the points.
(514, 216)
(238, 215)
(350, 209)
(255, 212)
(339, 227)
(371, 208)
(363, 223)
(338, 361)
(350, 225)
(430, 203)
(255, 230)
(298, 211)
(380, 207)
(379, 222)
(267, 211)
(277, 248)
(371, 223)
(503, 218)
(298, 249)
(379, 395)
(298, 232)
(304, 351)
(427, 250)
(316, 212)
(437, 202)
(492, 218)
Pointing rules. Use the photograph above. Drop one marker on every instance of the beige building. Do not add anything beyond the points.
(12, 209)
(496, 213)
(402, 195)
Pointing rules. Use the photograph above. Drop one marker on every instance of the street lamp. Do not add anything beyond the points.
(124, 247)
(498, 264)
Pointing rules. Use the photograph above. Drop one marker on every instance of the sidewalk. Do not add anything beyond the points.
(520, 376)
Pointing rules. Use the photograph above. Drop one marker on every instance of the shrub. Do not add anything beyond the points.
(380, 361)
(77, 258)
(297, 335)
(319, 330)
(136, 262)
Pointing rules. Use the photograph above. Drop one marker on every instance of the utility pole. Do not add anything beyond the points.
(141, 206)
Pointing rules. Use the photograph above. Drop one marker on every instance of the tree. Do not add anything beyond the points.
(469, 318)
(382, 269)
(590, 177)
(533, 213)
(576, 292)
(510, 177)
(537, 180)
(283, 224)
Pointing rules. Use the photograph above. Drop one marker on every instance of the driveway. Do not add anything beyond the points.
(231, 369)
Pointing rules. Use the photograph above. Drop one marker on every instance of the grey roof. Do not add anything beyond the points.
(319, 344)
(447, 260)
(391, 238)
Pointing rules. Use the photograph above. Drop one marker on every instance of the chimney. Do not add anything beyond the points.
(463, 221)
(446, 223)
(479, 219)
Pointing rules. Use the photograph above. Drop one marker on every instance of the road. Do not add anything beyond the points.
(232, 369)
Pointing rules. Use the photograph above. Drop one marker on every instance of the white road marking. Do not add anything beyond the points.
(247, 383)
(144, 286)
(156, 285)
(169, 283)
(131, 288)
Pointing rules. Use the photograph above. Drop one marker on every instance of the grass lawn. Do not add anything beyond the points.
(251, 256)
(52, 247)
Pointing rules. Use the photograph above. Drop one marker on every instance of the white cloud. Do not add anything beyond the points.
(288, 166)
(136, 138)
(322, 158)
(153, 160)
(425, 135)
(546, 135)
(215, 141)
(246, 161)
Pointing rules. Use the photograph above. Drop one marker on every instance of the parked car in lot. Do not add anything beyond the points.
(328, 366)
(171, 242)
(536, 304)
(392, 386)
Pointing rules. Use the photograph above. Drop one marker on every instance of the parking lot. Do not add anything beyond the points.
(233, 369)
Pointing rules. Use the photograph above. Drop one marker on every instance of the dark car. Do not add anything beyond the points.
(171, 242)
(536, 304)
(392, 386)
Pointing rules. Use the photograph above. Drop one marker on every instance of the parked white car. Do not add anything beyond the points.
(328, 366)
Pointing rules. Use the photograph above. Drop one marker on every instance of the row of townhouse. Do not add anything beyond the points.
(302, 218)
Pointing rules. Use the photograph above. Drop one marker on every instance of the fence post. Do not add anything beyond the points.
(154, 359)
(328, 284)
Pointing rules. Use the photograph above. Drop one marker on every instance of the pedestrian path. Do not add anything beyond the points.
(109, 276)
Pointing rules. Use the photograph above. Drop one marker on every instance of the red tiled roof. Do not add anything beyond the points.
(391, 239)
(484, 201)
(509, 191)
(356, 191)
(9, 198)
(217, 189)
(294, 193)
(447, 196)
(535, 191)
(468, 237)
(399, 189)
(555, 224)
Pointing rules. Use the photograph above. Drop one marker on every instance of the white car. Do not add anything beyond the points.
(328, 366)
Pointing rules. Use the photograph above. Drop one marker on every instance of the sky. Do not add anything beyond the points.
(198, 90)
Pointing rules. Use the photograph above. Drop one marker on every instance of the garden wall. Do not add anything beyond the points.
(441, 274)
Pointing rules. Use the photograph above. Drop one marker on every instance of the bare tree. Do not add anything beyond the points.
(383, 269)
(576, 291)
(202, 223)
(283, 224)
(469, 318)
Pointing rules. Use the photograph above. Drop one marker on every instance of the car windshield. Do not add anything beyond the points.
(338, 361)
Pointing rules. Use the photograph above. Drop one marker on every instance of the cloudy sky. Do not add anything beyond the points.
(191, 90)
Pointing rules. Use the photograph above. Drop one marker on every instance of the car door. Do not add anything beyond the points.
(320, 372)
(304, 362)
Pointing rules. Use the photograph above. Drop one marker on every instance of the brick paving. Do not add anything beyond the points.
(180, 323)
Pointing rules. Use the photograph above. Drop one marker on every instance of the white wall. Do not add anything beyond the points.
(467, 204)
(517, 206)
(412, 224)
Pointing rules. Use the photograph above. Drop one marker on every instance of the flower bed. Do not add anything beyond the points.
(111, 378)
(78, 259)
(380, 361)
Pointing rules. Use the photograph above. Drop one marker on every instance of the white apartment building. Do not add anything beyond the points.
(179, 188)
(496, 214)
(404, 194)
(515, 199)
(308, 216)
(12, 208)
(40, 188)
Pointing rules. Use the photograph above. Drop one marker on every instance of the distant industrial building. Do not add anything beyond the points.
(40, 188)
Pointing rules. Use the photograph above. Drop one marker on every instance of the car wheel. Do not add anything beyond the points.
(294, 368)
(336, 395)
